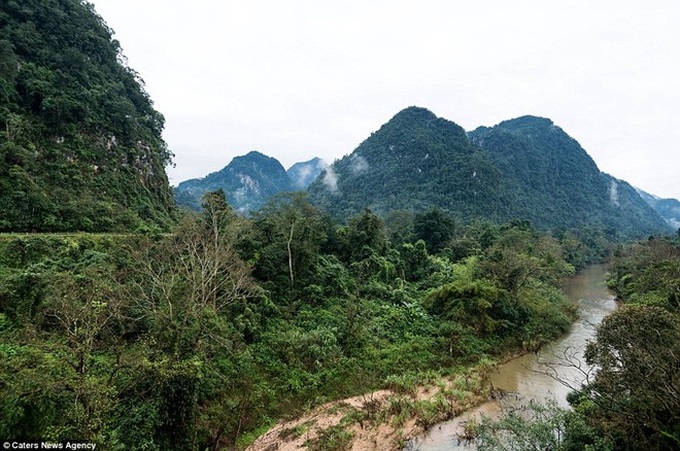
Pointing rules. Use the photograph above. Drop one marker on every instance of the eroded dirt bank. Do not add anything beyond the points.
(380, 420)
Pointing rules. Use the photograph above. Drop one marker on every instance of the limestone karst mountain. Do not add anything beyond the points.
(248, 181)
(80, 145)
(525, 168)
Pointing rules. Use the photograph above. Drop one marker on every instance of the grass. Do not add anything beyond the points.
(334, 438)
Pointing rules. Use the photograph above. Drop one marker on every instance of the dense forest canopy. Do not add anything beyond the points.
(81, 146)
(191, 339)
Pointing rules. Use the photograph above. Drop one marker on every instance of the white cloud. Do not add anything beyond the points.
(358, 164)
(330, 180)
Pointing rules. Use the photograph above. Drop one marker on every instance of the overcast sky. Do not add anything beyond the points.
(297, 79)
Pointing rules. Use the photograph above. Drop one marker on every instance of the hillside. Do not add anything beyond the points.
(80, 145)
(556, 183)
(525, 168)
(248, 181)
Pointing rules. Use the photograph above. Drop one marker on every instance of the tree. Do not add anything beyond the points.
(190, 280)
(289, 233)
(365, 236)
(195, 294)
(648, 273)
(467, 299)
(435, 228)
(637, 387)
(537, 426)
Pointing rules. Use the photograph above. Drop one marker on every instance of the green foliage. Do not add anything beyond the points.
(635, 391)
(80, 143)
(536, 426)
(197, 338)
(648, 273)
(333, 438)
(407, 383)
(435, 228)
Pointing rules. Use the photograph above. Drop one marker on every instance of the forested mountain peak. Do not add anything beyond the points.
(415, 161)
(523, 168)
(413, 114)
(556, 184)
(536, 135)
(527, 122)
(535, 145)
(81, 145)
(248, 181)
(256, 161)
(413, 129)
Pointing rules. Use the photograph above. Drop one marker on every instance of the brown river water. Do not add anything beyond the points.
(524, 378)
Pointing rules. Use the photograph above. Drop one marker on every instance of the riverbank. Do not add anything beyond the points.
(393, 418)
(527, 377)
(441, 409)
(383, 419)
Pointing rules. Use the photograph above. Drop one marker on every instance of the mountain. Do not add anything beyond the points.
(525, 168)
(557, 184)
(302, 175)
(248, 181)
(668, 209)
(416, 161)
(80, 145)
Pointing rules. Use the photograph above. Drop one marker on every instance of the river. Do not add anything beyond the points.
(524, 378)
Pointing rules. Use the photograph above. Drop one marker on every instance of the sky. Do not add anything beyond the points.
(297, 79)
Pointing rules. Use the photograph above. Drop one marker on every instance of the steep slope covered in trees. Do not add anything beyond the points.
(416, 161)
(556, 183)
(80, 141)
(525, 168)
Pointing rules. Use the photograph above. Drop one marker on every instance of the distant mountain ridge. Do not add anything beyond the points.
(524, 168)
(249, 181)
(668, 209)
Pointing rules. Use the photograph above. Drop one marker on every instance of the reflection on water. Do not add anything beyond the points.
(525, 377)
